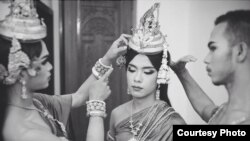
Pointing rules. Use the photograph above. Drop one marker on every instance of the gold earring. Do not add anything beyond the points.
(24, 90)
(157, 94)
(128, 91)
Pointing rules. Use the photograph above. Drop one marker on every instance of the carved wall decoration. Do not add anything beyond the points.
(90, 27)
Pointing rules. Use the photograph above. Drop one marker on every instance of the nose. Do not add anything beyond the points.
(138, 77)
(49, 67)
(207, 58)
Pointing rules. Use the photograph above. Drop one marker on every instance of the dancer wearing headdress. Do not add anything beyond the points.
(149, 115)
(24, 69)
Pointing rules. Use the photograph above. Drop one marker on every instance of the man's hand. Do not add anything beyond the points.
(180, 65)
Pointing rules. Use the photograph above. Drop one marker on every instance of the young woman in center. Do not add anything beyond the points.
(149, 115)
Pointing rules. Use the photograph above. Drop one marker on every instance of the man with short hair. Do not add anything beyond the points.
(228, 64)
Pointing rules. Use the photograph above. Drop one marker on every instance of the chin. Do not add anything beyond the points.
(137, 95)
(217, 82)
(44, 86)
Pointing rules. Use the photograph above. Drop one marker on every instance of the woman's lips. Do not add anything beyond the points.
(208, 71)
(137, 88)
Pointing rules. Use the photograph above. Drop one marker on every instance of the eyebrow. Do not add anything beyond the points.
(146, 67)
(210, 43)
(45, 57)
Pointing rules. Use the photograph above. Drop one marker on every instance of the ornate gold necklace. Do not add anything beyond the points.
(134, 130)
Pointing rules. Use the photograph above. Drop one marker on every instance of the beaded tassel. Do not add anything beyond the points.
(24, 90)
(157, 94)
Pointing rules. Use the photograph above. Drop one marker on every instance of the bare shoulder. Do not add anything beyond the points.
(120, 112)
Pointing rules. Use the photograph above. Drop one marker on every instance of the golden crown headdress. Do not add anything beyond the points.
(148, 39)
(22, 23)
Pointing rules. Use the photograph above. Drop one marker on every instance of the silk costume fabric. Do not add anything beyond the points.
(160, 127)
(58, 106)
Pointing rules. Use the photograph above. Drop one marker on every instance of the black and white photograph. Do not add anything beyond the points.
(124, 70)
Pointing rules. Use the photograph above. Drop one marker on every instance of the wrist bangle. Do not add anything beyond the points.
(100, 61)
(96, 108)
(99, 69)
(97, 114)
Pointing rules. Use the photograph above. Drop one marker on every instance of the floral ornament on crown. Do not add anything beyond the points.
(17, 60)
(23, 9)
(147, 37)
(148, 28)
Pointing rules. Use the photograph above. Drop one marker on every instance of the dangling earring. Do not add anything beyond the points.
(24, 90)
(128, 91)
(157, 94)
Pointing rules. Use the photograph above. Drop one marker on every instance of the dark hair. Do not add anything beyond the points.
(155, 59)
(32, 49)
(238, 26)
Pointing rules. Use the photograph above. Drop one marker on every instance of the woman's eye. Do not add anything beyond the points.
(130, 69)
(149, 72)
(44, 61)
(38, 69)
(212, 48)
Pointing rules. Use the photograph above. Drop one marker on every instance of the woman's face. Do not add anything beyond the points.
(42, 68)
(141, 77)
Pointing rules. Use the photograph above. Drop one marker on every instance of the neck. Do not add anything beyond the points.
(239, 90)
(14, 96)
(141, 103)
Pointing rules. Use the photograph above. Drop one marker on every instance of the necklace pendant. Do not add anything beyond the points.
(133, 139)
(134, 132)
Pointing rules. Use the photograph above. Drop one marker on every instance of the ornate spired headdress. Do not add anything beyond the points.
(22, 23)
(147, 39)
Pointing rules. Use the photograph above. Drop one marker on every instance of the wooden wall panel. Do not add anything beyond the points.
(90, 27)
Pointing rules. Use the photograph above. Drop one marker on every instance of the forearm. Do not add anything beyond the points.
(81, 95)
(95, 129)
(201, 103)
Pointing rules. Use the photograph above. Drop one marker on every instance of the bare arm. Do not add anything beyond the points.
(201, 103)
(95, 129)
(81, 95)
(111, 132)
(99, 90)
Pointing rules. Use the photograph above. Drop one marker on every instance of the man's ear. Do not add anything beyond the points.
(241, 51)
